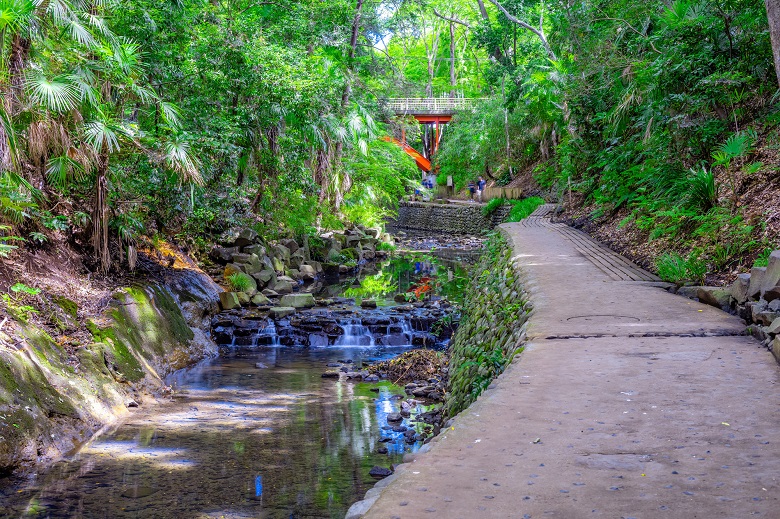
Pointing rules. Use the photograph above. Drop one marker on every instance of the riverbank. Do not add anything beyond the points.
(68, 372)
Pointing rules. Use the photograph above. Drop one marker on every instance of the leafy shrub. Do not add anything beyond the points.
(239, 282)
(522, 208)
(763, 259)
(15, 301)
(388, 247)
(678, 270)
(492, 205)
(701, 190)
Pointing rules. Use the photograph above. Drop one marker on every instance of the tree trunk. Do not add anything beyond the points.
(453, 80)
(100, 216)
(482, 9)
(773, 14)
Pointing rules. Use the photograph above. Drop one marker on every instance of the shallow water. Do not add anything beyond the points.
(236, 441)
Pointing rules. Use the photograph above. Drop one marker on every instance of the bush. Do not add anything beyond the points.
(389, 247)
(239, 282)
(678, 270)
(491, 206)
(522, 208)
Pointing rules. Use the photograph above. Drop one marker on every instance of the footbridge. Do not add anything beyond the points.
(432, 112)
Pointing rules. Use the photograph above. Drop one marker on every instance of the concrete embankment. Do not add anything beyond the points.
(54, 395)
(627, 401)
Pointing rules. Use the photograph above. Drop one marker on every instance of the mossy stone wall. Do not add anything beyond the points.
(448, 218)
(492, 327)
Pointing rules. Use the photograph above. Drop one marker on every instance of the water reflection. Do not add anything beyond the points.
(236, 441)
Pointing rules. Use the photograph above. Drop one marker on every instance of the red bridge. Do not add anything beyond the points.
(434, 112)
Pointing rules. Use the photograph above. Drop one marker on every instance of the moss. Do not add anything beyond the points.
(68, 306)
(122, 361)
(490, 329)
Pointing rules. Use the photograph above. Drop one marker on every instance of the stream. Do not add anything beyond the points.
(258, 432)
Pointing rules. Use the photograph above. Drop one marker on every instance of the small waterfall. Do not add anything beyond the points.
(406, 329)
(268, 336)
(355, 334)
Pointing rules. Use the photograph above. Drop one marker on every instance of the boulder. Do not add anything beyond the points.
(229, 300)
(256, 249)
(280, 312)
(773, 294)
(689, 292)
(774, 328)
(298, 300)
(756, 282)
(243, 298)
(260, 300)
(222, 255)
(766, 318)
(245, 237)
(775, 346)
(270, 293)
(379, 472)
(373, 232)
(281, 252)
(316, 265)
(715, 296)
(368, 303)
(394, 418)
(265, 277)
(278, 264)
(307, 272)
(282, 287)
(772, 273)
(739, 289)
(297, 259)
(291, 245)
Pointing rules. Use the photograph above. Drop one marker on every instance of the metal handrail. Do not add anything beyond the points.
(432, 104)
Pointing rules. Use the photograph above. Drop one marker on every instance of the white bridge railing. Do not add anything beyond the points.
(432, 105)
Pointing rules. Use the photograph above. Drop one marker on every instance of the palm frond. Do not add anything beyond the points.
(178, 158)
(102, 136)
(61, 169)
(58, 94)
(81, 34)
(171, 114)
(16, 15)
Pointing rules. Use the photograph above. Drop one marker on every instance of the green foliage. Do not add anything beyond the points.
(763, 259)
(492, 205)
(387, 247)
(239, 282)
(15, 301)
(678, 270)
(523, 208)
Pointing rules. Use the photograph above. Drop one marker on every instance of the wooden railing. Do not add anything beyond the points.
(433, 105)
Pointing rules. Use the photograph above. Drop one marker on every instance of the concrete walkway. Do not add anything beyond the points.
(627, 402)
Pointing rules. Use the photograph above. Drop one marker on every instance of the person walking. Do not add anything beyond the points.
(481, 183)
(472, 189)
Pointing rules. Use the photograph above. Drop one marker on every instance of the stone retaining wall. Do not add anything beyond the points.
(448, 218)
(492, 326)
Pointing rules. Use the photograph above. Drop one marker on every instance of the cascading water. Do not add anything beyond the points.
(355, 334)
(268, 336)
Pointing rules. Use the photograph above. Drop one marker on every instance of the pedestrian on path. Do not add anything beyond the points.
(472, 189)
(480, 188)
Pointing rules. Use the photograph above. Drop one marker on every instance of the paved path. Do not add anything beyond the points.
(627, 402)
